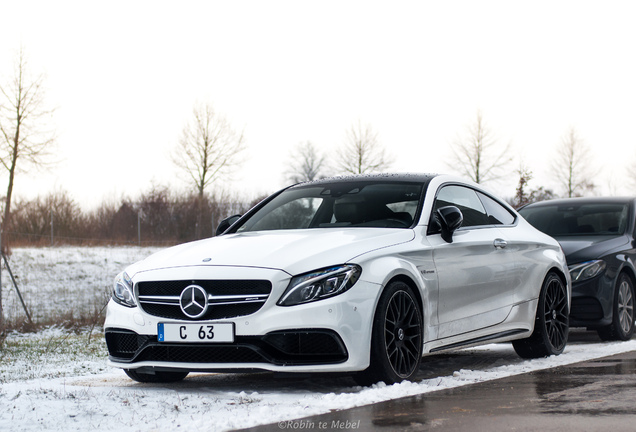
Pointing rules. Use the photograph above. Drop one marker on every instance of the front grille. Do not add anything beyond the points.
(226, 298)
(294, 347)
(216, 287)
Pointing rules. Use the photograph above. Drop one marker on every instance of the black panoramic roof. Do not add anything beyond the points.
(584, 201)
(373, 178)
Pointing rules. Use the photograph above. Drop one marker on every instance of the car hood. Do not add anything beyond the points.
(293, 251)
(584, 248)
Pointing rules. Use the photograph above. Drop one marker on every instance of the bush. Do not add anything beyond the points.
(158, 217)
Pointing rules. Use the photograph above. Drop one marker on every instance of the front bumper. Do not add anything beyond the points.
(330, 335)
(592, 302)
(304, 347)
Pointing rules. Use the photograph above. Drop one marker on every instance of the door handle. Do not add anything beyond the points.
(499, 243)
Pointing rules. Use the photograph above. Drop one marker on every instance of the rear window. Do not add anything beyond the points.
(578, 219)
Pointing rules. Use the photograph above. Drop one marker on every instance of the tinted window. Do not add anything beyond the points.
(292, 215)
(340, 204)
(466, 201)
(578, 219)
(497, 214)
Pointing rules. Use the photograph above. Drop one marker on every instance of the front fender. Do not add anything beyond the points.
(417, 269)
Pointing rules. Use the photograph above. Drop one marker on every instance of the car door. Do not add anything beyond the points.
(475, 271)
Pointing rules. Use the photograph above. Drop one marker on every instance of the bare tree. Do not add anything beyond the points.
(26, 137)
(572, 165)
(477, 153)
(209, 148)
(306, 163)
(362, 152)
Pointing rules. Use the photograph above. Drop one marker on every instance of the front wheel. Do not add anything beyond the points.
(552, 325)
(396, 340)
(622, 326)
(157, 377)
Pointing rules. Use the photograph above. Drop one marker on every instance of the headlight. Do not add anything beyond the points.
(320, 284)
(123, 290)
(586, 270)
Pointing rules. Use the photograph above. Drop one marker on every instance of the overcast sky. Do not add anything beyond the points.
(125, 76)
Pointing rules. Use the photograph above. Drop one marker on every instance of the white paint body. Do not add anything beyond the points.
(471, 292)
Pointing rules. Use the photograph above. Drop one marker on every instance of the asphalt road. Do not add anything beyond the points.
(595, 395)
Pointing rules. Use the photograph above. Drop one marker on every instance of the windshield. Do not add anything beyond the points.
(578, 219)
(339, 204)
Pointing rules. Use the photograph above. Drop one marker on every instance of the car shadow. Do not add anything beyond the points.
(434, 366)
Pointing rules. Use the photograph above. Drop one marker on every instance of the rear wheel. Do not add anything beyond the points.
(157, 377)
(551, 326)
(396, 341)
(622, 326)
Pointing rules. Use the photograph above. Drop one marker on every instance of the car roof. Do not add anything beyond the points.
(387, 177)
(582, 201)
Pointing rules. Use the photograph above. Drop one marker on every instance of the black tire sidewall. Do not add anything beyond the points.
(543, 330)
(380, 364)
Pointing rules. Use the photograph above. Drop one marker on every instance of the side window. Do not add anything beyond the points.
(497, 214)
(466, 200)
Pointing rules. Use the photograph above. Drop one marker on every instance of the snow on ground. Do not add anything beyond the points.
(107, 400)
(58, 381)
(64, 280)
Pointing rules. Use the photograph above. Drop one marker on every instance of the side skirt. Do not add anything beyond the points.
(479, 340)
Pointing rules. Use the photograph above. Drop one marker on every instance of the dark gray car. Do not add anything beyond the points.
(598, 238)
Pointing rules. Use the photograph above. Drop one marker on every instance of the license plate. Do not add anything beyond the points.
(205, 333)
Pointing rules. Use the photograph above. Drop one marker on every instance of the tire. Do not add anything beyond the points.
(157, 377)
(396, 338)
(622, 326)
(551, 326)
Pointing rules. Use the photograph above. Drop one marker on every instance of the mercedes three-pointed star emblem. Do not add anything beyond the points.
(193, 301)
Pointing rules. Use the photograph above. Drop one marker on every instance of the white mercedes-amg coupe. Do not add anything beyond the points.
(361, 274)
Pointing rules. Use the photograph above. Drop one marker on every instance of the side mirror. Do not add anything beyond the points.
(226, 223)
(450, 218)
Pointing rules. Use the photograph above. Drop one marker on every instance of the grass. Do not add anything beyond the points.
(78, 322)
(66, 290)
(52, 353)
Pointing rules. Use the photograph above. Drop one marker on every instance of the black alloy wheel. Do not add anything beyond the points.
(551, 327)
(622, 326)
(402, 334)
(396, 342)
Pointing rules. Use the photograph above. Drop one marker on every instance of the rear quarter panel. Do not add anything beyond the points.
(536, 254)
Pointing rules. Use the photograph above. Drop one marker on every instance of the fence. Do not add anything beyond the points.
(64, 284)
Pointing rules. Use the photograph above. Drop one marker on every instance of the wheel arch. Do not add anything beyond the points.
(616, 331)
(625, 266)
(419, 294)
(411, 283)
(629, 271)
(390, 270)
(566, 281)
(559, 273)
(386, 270)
